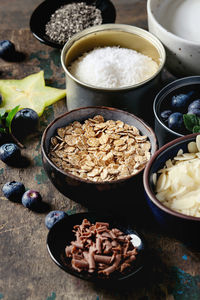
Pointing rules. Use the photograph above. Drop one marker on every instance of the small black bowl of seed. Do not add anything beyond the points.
(54, 22)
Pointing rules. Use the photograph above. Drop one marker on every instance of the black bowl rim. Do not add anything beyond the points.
(90, 181)
(92, 279)
(42, 38)
(146, 178)
(172, 86)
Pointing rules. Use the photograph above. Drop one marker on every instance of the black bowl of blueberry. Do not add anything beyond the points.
(177, 109)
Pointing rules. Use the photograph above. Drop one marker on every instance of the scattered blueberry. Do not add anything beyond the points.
(7, 49)
(32, 199)
(165, 115)
(13, 191)
(25, 122)
(1, 99)
(175, 121)
(180, 101)
(53, 217)
(10, 153)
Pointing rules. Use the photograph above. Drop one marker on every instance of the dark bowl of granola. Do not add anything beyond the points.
(96, 155)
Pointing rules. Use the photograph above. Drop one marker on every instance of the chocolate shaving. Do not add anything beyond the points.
(101, 224)
(98, 245)
(97, 248)
(106, 260)
(77, 244)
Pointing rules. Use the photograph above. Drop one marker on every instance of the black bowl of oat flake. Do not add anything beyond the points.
(54, 22)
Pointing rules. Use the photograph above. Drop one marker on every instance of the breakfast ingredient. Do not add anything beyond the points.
(113, 67)
(98, 248)
(183, 113)
(178, 183)
(175, 121)
(194, 111)
(29, 92)
(181, 101)
(70, 19)
(10, 153)
(165, 115)
(6, 134)
(100, 150)
(32, 199)
(7, 49)
(13, 191)
(25, 121)
(194, 105)
(194, 108)
(53, 217)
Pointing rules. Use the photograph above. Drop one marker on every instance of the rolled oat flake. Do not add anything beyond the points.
(70, 19)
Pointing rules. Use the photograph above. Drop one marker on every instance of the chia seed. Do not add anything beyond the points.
(70, 19)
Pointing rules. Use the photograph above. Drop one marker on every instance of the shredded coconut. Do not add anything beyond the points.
(113, 67)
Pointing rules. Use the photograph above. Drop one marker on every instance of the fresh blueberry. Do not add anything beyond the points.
(32, 199)
(165, 115)
(194, 111)
(180, 101)
(1, 99)
(10, 153)
(194, 105)
(7, 49)
(25, 122)
(13, 191)
(53, 217)
(175, 121)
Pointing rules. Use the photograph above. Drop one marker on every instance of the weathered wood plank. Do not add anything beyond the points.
(26, 270)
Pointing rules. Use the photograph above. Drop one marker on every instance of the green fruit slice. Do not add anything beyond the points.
(29, 92)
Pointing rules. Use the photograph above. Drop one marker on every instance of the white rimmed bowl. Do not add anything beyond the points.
(182, 55)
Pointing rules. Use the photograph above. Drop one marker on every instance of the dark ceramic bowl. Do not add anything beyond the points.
(180, 225)
(162, 102)
(96, 194)
(43, 12)
(61, 235)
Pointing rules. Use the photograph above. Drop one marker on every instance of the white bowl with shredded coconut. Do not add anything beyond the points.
(113, 65)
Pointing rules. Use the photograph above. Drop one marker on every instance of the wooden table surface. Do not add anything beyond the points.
(26, 269)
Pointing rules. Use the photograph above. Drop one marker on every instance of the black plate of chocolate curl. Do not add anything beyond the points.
(54, 22)
(97, 248)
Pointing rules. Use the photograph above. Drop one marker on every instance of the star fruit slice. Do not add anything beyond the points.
(29, 92)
